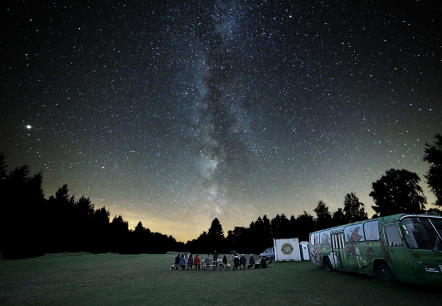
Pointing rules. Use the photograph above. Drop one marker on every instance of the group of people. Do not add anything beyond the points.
(238, 262)
(241, 262)
(183, 260)
(187, 259)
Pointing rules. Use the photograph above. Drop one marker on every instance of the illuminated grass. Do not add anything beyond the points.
(112, 279)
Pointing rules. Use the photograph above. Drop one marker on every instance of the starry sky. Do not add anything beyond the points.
(173, 113)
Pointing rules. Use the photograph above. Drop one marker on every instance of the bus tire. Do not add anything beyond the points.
(385, 274)
(327, 264)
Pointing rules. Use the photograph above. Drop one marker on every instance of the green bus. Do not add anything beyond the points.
(402, 247)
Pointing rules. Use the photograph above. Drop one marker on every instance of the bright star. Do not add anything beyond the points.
(29, 127)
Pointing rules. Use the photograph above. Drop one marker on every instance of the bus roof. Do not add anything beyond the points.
(385, 219)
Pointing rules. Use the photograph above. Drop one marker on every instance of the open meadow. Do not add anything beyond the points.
(112, 279)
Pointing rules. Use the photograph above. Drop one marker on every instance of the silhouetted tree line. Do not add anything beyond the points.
(31, 225)
(260, 233)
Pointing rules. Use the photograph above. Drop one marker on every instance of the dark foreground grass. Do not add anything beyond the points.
(112, 279)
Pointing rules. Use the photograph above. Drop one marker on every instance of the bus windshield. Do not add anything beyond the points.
(420, 234)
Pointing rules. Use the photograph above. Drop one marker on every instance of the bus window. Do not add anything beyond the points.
(354, 233)
(317, 238)
(393, 236)
(371, 230)
(419, 234)
(312, 239)
(325, 237)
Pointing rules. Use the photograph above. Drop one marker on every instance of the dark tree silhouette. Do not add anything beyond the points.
(21, 233)
(324, 217)
(306, 225)
(142, 239)
(354, 209)
(101, 228)
(203, 245)
(266, 231)
(217, 241)
(433, 155)
(294, 227)
(339, 217)
(263, 232)
(398, 191)
(163, 243)
(260, 233)
(281, 227)
(239, 239)
(119, 231)
(62, 218)
(83, 215)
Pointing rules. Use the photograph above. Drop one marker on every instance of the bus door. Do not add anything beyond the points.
(337, 250)
(399, 260)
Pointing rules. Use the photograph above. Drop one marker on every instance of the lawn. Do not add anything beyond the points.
(112, 279)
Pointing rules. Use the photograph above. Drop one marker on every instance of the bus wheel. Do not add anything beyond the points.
(385, 274)
(327, 264)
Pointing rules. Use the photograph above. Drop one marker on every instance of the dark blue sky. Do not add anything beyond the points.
(175, 112)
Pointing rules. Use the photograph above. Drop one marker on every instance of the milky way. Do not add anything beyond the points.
(176, 112)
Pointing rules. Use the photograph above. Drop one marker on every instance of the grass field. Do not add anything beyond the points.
(112, 279)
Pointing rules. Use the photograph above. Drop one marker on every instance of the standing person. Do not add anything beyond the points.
(197, 262)
(190, 262)
(251, 261)
(242, 262)
(235, 262)
(215, 257)
(208, 260)
(225, 261)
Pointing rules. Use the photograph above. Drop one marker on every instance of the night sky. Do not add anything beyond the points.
(173, 113)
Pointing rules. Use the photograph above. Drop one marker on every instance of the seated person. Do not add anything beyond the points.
(197, 262)
(208, 260)
(263, 263)
(190, 262)
(177, 261)
(182, 262)
(251, 262)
